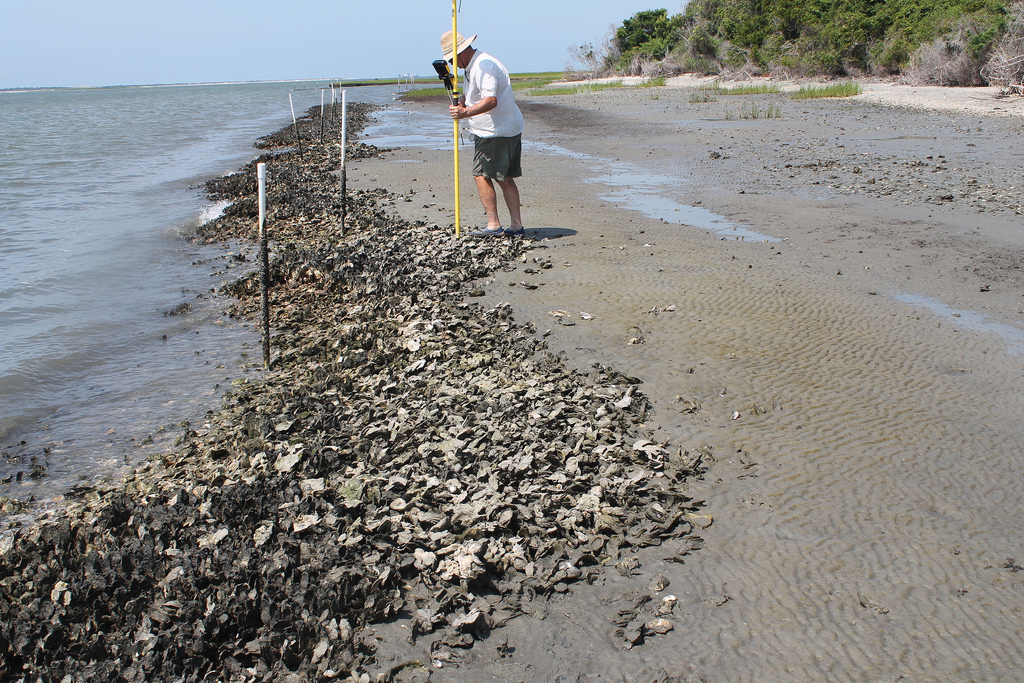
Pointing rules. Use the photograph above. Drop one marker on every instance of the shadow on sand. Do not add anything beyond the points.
(548, 233)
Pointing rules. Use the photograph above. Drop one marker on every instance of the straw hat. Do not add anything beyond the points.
(446, 43)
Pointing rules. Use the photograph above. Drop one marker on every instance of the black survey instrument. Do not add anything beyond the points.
(445, 74)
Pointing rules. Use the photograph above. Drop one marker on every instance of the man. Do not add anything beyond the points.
(496, 125)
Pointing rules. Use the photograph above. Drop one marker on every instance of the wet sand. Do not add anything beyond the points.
(855, 364)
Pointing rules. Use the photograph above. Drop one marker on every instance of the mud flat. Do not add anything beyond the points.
(832, 302)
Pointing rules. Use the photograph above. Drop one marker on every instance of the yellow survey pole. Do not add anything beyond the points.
(455, 97)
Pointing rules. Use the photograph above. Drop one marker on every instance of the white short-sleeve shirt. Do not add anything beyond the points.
(487, 77)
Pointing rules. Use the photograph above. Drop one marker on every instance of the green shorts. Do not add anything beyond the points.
(497, 158)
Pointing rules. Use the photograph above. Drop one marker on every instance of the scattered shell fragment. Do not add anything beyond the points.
(688, 405)
(668, 605)
(660, 626)
(627, 566)
(657, 584)
(308, 486)
(213, 539)
(472, 619)
(424, 560)
(463, 562)
(304, 522)
(716, 600)
(287, 462)
(699, 521)
(262, 534)
(58, 591)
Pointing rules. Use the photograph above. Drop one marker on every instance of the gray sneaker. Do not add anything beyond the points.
(488, 232)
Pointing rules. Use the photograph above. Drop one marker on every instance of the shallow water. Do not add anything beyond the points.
(971, 320)
(99, 190)
(655, 195)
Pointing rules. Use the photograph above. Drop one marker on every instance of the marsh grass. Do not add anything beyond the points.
(702, 96)
(528, 81)
(655, 82)
(755, 111)
(847, 89)
(577, 89)
(751, 89)
(425, 92)
(546, 75)
(520, 81)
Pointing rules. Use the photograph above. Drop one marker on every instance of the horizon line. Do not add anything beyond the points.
(184, 84)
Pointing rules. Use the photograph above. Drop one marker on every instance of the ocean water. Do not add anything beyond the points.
(99, 191)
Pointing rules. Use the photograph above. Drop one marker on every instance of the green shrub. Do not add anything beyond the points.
(648, 34)
(837, 37)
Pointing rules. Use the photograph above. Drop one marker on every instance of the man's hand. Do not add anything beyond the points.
(461, 111)
(458, 111)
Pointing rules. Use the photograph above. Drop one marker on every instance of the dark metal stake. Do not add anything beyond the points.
(321, 117)
(344, 198)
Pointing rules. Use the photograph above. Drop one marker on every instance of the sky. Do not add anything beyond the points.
(84, 43)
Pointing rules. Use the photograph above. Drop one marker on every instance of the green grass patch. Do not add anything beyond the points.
(549, 76)
(655, 82)
(355, 83)
(756, 111)
(523, 81)
(751, 89)
(425, 92)
(847, 89)
(528, 83)
(581, 89)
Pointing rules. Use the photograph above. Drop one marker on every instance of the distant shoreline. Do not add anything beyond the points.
(340, 83)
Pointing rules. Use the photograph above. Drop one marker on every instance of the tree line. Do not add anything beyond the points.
(949, 42)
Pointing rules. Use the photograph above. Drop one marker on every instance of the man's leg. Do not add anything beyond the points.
(510, 191)
(489, 198)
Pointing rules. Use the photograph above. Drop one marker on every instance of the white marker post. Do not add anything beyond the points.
(261, 179)
(295, 125)
(344, 154)
(321, 116)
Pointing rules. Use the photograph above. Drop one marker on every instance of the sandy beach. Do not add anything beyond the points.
(854, 363)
